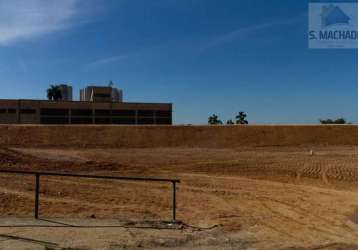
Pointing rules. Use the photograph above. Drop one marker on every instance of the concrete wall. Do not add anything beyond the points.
(175, 136)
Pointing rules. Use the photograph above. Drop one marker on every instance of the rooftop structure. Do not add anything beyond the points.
(66, 92)
(101, 94)
(98, 105)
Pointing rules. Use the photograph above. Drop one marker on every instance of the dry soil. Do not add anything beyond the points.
(244, 198)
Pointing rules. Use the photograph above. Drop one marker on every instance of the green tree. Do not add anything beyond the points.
(241, 118)
(54, 93)
(110, 84)
(214, 120)
(230, 122)
(337, 121)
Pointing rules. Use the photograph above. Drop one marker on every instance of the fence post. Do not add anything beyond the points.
(174, 201)
(37, 193)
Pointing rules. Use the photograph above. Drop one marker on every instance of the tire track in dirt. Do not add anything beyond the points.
(277, 194)
(74, 206)
(282, 210)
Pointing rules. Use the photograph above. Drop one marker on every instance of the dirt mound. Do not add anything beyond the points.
(176, 136)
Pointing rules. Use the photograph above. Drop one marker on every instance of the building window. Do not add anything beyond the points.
(54, 120)
(163, 113)
(81, 120)
(28, 111)
(102, 112)
(11, 111)
(145, 121)
(123, 121)
(164, 121)
(103, 120)
(81, 112)
(123, 113)
(54, 112)
(145, 112)
(2, 111)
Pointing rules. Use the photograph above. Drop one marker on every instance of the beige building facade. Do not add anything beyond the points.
(82, 112)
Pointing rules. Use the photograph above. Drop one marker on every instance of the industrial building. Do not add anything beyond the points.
(99, 105)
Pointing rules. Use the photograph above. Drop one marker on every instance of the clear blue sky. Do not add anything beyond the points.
(204, 56)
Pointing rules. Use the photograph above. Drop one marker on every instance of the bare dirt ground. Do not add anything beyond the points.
(244, 198)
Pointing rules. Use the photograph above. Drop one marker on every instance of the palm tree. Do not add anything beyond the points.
(241, 118)
(54, 93)
(214, 120)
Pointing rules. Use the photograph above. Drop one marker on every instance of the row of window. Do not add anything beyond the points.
(89, 120)
(9, 111)
(88, 112)
(104, 112)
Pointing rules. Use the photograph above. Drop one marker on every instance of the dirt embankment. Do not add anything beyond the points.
(242, 198)
(176, 136)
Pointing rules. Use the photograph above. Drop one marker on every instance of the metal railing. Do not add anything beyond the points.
(142, 179)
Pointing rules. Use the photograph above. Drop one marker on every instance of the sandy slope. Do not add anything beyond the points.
(258, 198)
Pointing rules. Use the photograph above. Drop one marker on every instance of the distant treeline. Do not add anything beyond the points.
(239, 119)
(336, 121)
